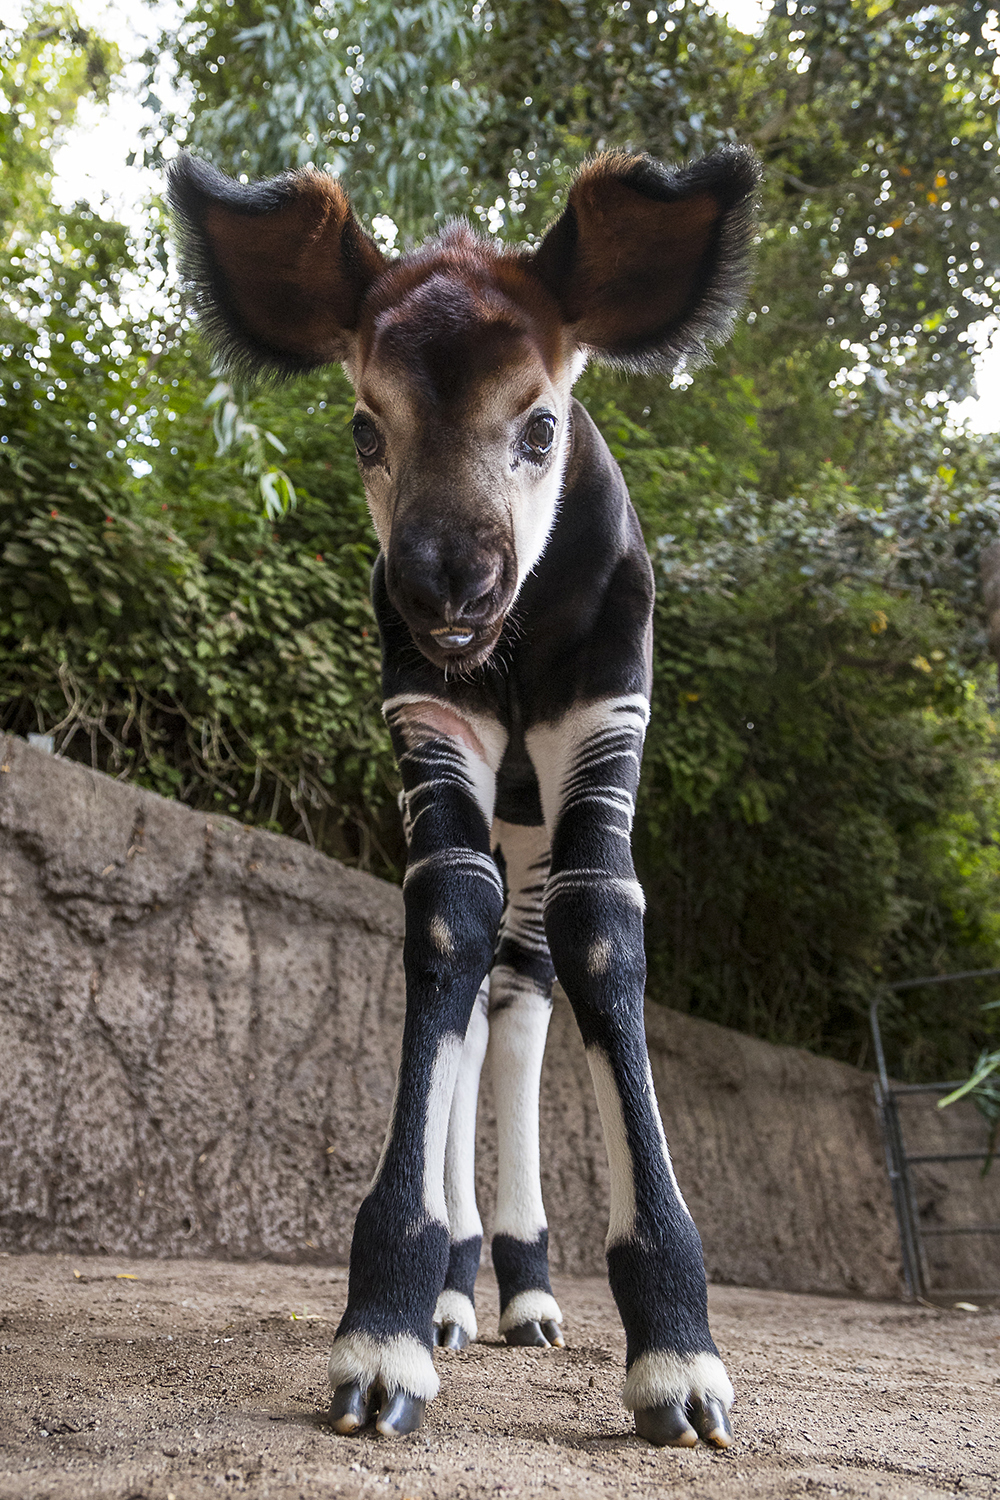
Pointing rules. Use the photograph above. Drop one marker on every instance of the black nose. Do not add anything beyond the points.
(444, 581)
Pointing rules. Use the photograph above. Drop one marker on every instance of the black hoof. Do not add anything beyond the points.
(401, 1413)
(450, 1336)
(535, 1335)
(350, 1408)
(710, 1421)
(665, 1426)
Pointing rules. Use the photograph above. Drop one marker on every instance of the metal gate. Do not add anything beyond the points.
(900, 1162)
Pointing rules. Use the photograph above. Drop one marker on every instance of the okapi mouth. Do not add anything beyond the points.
(459, 648)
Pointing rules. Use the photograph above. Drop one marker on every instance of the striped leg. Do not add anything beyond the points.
(455, 1314)
(588, 770)
(520, 1006)
(381, 1365)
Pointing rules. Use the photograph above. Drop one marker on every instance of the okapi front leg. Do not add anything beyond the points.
(588, 767)
(520, 1008)
(381, 1366)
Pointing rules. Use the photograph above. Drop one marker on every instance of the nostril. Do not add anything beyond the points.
(438, 583)
(475, 606)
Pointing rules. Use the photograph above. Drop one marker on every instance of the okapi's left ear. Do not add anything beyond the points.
(279, 269)
(649, 265)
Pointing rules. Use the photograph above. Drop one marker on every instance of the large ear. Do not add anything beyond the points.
(648, 265)
(279, 269)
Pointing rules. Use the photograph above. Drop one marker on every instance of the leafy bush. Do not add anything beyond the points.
(187, 643)
(820, 807)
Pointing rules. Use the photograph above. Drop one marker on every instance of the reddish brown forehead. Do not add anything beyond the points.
(458, 313)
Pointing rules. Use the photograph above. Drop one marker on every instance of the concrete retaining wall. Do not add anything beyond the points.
(199, 1025)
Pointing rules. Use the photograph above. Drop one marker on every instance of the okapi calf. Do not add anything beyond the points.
(514, 599)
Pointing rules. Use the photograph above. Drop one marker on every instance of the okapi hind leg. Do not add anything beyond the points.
(520, 1008)
(588, 766)
(455, 1314)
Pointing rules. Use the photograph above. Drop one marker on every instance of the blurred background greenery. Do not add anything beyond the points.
(183, 565)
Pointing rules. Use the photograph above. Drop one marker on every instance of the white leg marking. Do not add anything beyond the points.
(478, 739)
(526, 856)
(487, 735)
(440, 936)
(621, 1221)
(484, 783)
(554, 749)
(658, 1377)
(529, 1307)
(599, 957)
(439, 1097)
(655, 1111)
(460, 1155)
(517, 1046)
(389, 1133)
(469, 860)
(398, 1364)
(580, 879)
(455, 1307)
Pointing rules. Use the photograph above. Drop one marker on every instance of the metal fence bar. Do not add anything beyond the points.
(898, 1160)
(896, 1169)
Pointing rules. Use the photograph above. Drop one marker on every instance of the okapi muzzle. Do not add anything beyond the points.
(507, 537)
(452, 588)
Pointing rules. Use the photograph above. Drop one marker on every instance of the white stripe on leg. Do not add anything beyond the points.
(668, 1159)
(517, 1046)
(621, 1220)
(439, 1097)
(438, 1109)
(460, 1156)
(560, 752)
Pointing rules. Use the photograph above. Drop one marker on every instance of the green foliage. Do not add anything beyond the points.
(820, 804)
(196, 650)
(983, 1088)
(155, 620)
(44, 68)
(369, 90)
(814, 783)
(184, 565)
(876, 125)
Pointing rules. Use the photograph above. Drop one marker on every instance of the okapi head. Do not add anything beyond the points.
(463, 353)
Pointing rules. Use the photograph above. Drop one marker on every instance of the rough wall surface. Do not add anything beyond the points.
(198, 1032)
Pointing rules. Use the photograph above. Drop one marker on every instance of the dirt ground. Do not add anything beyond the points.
(174, 1380)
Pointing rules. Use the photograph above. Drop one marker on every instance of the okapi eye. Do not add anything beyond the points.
(538, 436)
(365, 437)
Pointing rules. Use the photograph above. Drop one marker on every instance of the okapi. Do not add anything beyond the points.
(514, 598)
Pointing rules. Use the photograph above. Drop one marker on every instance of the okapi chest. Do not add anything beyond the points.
(514, 599)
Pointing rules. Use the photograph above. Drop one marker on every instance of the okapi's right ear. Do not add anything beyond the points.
(279, 269)
(649, 265)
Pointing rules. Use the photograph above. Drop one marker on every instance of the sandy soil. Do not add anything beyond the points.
(200, 1379)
